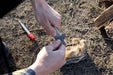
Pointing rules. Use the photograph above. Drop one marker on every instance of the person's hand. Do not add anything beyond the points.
(49, 59)
(47, 16)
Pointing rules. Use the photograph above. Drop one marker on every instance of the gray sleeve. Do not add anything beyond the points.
(22, 72)
(29, 72)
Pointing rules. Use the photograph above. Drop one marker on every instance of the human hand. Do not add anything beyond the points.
(49, 59)
(47, 16)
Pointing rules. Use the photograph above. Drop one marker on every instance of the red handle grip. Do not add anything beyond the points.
(31, 36)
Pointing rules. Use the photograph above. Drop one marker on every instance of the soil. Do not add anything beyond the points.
(77, 22)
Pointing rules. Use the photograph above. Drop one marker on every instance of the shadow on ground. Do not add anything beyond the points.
(86, 67)
(108, 40)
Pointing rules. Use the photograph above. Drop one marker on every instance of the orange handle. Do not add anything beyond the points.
(31, 36)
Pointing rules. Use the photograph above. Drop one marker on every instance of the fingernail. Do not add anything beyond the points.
(54, 34)
(58, 41)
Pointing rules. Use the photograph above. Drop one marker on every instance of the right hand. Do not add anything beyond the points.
(49, 59)
(47, 16)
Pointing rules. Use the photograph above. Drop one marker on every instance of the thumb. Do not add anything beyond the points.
(61, 49)
(55, 45)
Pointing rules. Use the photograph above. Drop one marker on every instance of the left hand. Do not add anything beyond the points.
(49, 59)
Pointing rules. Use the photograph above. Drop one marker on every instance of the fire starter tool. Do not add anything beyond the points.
(60, 36)
(31, 36)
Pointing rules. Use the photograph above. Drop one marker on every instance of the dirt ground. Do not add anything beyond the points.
(77, 21)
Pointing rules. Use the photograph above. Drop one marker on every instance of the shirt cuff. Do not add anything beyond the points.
(29, 72)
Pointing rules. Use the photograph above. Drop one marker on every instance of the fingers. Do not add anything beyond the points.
(54, 45)
(57, 25)
(55, 19)
(61, 52)
(57, 22)
(61, 48)
(44, 21)
(48, 18)
(49, 28)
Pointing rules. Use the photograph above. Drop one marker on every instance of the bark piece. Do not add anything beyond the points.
(105, 18)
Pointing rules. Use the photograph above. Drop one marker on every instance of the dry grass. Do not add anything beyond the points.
(77, 21)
